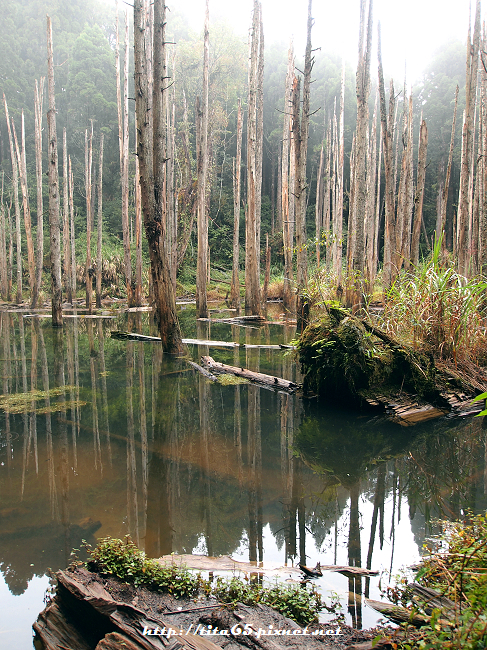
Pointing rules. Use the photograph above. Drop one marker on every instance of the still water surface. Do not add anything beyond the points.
(138, 443)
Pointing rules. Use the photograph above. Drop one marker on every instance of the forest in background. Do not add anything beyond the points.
(86, 98)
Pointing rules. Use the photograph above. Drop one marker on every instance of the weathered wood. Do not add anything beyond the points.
(396, 613)
(202, 370)
(434, 599)
(348, 570)
(132, 336)
(257, 377)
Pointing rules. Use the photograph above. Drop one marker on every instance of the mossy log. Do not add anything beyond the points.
(344, 358)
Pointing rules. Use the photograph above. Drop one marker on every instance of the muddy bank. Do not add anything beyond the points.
(94, 612)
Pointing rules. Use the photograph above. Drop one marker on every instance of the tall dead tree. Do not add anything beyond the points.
(99, 227)
(3, 248)
(150, 153)
(38, 98)
(52, 161)
(71, 219)
(88, 184)
(202, 168)
(287, 226)
(254, 172)
(237, 164)
(68, 285)
(387, 128)
(300, 133)
(338, 211)
(15, 187)
(468, 135)
(444, 202)
(419, 195)
(356, 234)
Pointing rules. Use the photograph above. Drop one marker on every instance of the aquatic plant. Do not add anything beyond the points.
(123, 560)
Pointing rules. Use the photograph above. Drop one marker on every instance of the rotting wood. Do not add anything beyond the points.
(203, 371)
(256, 377)
(396, 613)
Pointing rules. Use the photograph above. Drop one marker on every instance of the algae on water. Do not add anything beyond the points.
(26, 402)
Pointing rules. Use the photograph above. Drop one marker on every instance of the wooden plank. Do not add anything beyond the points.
(256, 377)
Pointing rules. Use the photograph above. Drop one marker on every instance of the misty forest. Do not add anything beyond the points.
(321, 231)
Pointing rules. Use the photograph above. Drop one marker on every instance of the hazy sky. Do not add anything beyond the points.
(411, 31)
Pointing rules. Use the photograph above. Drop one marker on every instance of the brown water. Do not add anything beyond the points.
(137, 443)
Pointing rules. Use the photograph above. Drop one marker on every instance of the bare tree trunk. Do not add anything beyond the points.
(99, 228)
(444, 203)
(88, 171)
(372, 198)
(125, 172)
(319, 202)
(301, 138)
(267, 276)
(237, 164)
(356, 264)
(338, 212)
(3, 248)
(464, 198)
(138, 233)
(202, 166)
(387, 124)
(21, 161)
(252, 224)
(66, 234)
(418, 199)
(483, 163)
(15, 188)
(287, 231)
(38, 97)
(57, 312)
(151, 186)
(73, 239)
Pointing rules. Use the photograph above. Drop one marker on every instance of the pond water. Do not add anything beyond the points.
(137, 443)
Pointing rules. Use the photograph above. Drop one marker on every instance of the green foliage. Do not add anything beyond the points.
(457, 570)
(299, 603)
(123, 560)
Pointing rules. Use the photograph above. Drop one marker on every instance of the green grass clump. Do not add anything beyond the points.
(123, 560)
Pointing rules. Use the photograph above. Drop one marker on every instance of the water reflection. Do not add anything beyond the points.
(183, 465)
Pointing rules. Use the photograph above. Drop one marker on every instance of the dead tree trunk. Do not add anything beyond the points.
(466, 171)
(73, 239)
(202, 166)
(387, 124)
(152, 185)
(21, 160)
(252, 223)
(54, 230)
(66, 221)
(88, 171)
(418, 199)
(444, 202)
(15, 188)
(338, 212)
(237, 164)
(38, 97)
(356, 264)
(3, 249)
(301, 138)
(287, 230)
(99, 227)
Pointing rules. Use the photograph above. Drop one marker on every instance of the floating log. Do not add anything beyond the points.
(224, 563)
(257, 377)
(203, 371)
(133, 336)
(311, 573)
(349, 570)
(397, 613)
(242, 320)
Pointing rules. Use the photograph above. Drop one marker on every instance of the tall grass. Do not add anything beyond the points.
(438, 310)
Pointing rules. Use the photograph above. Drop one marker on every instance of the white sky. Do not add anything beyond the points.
(411, 30)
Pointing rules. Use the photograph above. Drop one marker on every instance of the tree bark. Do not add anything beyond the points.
(202, 167)
(3, 249)
(54, 230)
(15, 188)
(444, 203)
(387, 124)
(38, 97)
(88, 171)
(287, 230)
(418, 199)
(99, 228)
(68, 285)
(302, 132)
(252, 223)
(73, 238)
(151, 185)
(237, 164)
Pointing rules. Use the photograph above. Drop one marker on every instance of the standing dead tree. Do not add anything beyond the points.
(300, 134)
(286, 198)
(254, 171)
(54, 229)
(88, 183)
(202, 169)
(99, 227)
(237, 163)
(38, 97)
(150, 153)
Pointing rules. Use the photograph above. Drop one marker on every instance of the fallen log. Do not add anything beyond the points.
(257, 377)
(202, 370)
(398, 614)
(133, 336)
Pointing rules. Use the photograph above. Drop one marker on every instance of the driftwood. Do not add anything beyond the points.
(349, 570)
(241, 320)
(256, 377)
(434, 600)
(203, 371)
(83, 616)
(133, 336)
(397, 614)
